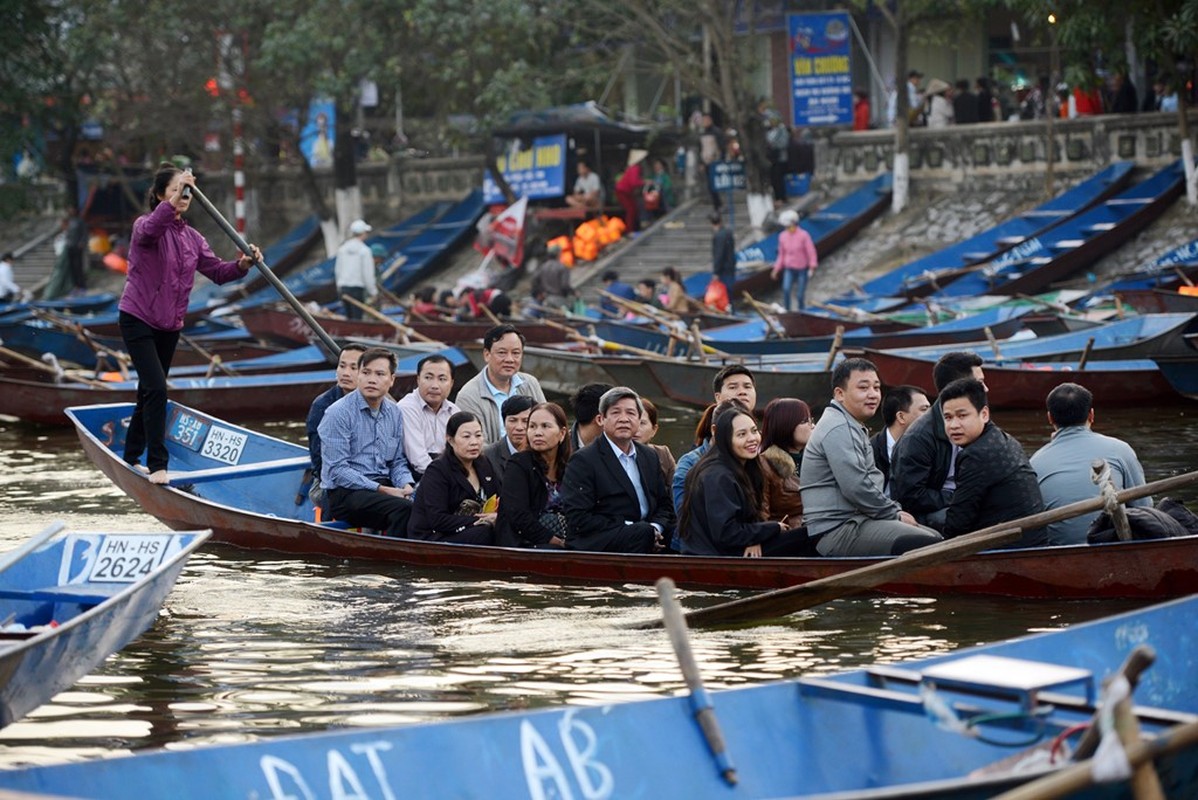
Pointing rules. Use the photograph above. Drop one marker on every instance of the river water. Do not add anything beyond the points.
(253, 646)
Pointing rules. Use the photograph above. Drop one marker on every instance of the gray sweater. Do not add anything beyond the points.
(839, 479)
(474, 397)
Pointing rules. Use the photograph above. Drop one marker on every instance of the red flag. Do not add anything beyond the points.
(507, 232)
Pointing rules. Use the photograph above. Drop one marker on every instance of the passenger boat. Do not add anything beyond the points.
(829, 227)
(1158, 301)
(924, 275)
(93, 302)
(965, 725)
(1014, 384)
(1074, 244)
(1182, 374)
(71, 599)
(32, 397)
(246, 491)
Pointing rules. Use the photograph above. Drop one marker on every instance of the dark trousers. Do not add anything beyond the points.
(362, 508)
(151, 351)
(356, 292)
(636, 538)
(75, 260)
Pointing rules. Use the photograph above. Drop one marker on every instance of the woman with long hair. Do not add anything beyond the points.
(164, 255)
(675, 293)
(530, 503)
(645, 433)
(451, 503)
(721, 510)
(786, 427)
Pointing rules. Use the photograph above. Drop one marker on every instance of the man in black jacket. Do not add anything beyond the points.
(922, 465)
(995, 482)
(900, 408)
(613, 495)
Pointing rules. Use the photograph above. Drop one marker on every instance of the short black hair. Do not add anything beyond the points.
(727, 372)
(611, 275)
(845, 369)
(1069, 404)
(354, 347)
(375, 353)
(497, 333)
(970, 388)
(516, 404)
(898, 399)
(953, 366)
(435, 358)
(585, 401)
(715, 218)
(652, 284)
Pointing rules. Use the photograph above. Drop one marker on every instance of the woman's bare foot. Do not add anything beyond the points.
(159, 477)
(142, 468)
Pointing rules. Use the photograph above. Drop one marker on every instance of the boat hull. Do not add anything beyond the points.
(1148, 569)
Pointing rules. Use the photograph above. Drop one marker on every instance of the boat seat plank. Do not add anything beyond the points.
(239, 470)
(1129, 201)
(1099, 227)
(87, 595)
(971, 258)
(1044, 213)
(829, 216)
(1067, 244)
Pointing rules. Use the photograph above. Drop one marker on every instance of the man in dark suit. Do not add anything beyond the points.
(902, 406)
(613, 494)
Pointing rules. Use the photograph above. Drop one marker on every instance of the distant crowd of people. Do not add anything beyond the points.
(500, 465)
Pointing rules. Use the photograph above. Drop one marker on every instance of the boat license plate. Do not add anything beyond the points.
(224, 445)
(187, 429)
(125, 559)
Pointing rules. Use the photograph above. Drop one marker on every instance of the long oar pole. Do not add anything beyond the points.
(269, 274)
(30, 544)
(779, 602)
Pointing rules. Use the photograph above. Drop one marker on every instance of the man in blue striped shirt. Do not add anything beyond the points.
(365, 472)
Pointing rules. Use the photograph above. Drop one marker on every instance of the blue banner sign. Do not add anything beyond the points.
(536, 173)
(820, 68)
(726, 175)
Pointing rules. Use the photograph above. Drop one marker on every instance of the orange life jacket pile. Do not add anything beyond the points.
(590, 238)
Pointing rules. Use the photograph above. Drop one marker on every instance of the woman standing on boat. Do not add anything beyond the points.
(530, 502)
(451, 503)
(721, 510)
(796, 260)
(164, 255)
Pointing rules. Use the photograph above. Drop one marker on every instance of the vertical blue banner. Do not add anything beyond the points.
(820, 69)
(536, 173)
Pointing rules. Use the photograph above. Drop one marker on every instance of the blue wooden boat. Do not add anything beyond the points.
(1074, 244)
(966, 725)
(1181, 373)
(1144, 336)
(427, 249)
(94, 302)
(1166, 271)
(69, 600)
(282, 256)
(249, 500)
(910, 279)
(830, 227)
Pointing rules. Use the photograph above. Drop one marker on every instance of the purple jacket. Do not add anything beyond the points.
(164, 254)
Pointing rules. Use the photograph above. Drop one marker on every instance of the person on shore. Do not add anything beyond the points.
(985, 100)
(901, 407)
(426, 411)
(923, 462)
(585, 403)
(164, 255)
(530, 503)
(723, 254)
(629, 189)
(346, 382)
(796, 260)
(846, 511)
(354, 270)
(861, 110)
(645, 433)
(451, 505)
(722, 510)
(500, 378)
(787, 427)
(1063, 465)
(364, 472)
(711, 151)
(553, 278)
(614, 498)
(995, 482)
(77, 247)
(588, 189)
(940, 108)
(10, 292)
(515, 432)
(965, 104)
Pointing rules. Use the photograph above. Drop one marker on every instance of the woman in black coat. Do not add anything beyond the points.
(529, 504)
(450, 502)
(721, 509)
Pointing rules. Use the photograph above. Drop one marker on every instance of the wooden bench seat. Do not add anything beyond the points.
(238, 470)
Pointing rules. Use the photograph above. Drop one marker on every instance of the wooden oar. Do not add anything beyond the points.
(269, 274)
(780, 602)
(1073, 779)
(381, 317)
(700, 699)
(30, 544)
(837, 343)
(1081, 362)
(33, 362)
(993, 342)
(760, 309)
(394, 300)
(214, 360)
(85, 336)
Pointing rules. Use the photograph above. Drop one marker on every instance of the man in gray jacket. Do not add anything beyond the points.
(501, 378)
(846, 511)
